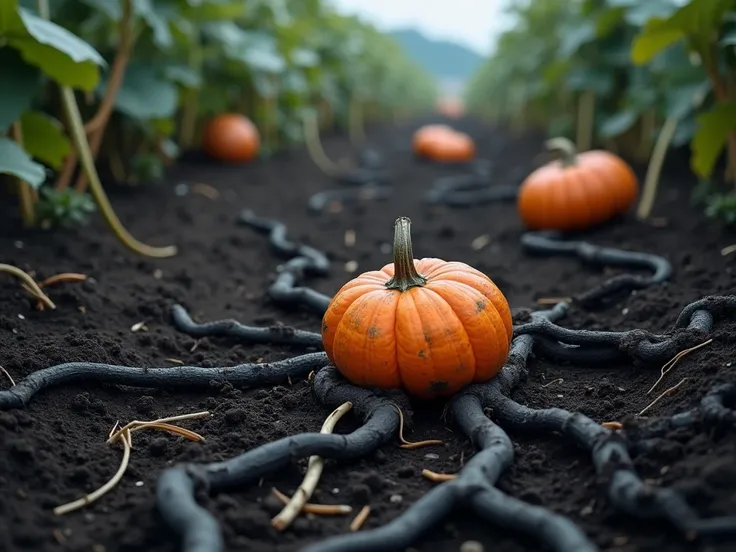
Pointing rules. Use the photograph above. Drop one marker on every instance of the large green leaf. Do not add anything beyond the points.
(657, 35)
(60, 54)
(157, 20)
(44, 138)
(710, 137)
(146, 94)
(16, 162)
(18, 87)
(10, 22)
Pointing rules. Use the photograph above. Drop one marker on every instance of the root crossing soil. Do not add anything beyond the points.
(53, 451)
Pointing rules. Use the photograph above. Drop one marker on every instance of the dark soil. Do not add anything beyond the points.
(54, 450)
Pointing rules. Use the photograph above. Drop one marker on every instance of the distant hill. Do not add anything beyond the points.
(442, 58)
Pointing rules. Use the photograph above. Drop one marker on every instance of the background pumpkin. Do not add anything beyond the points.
(455, 147)
(428, 326)
(424, 135)
(577, 191)
(232, 138)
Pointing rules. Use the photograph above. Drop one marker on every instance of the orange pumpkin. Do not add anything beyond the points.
(456, 147)
(577, 191)
(232, 138)
(428, 326)
(425, 135)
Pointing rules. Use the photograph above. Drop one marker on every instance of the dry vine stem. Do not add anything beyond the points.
(651, 180)
(311, 478)
(438, 477)
(671, 363)
(30, 284)
(4, 372)
(661, 396)
(316, 509)
(407, 444)
(314, 145)
(359, 520)
(124, 434)
(57, 279)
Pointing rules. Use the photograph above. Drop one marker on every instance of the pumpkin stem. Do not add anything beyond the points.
(564, 148)
(405, 274)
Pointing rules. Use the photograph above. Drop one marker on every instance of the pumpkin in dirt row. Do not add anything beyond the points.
(232, 138)
(577, 191)
(424, 135)
(456, 148)
(427, 326)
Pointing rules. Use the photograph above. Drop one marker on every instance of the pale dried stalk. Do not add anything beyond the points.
(91, 497)
(137, 425)
(316, 509)
(438, 477)
(663, 394)
(360, 519)
(311, 478)
(29, 282)
(4, 372)
(674, 360)
(314, 146)
(408, 444)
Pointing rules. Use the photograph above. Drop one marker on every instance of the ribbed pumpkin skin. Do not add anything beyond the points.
(232, 138)
(598, 187)
(430, 340)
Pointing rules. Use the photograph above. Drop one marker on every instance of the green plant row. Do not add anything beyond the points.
(621, 74)
(145, 75)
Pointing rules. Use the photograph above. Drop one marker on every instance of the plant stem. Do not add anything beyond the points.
(314, 145)
(721, 93)
(564, 148)
(95, 128)
(25, 192)
(586, 116)
(651, 181)
(80, 143)
(405, 273)
(188, 126)
(648, 123)
(28, 281)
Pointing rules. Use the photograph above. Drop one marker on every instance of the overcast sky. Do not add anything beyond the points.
(469, 22)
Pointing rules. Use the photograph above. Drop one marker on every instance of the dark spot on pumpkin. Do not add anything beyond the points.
(480, 306)
(324, 326)
(428, 339)
(448, 332)
(420, 354)
(438, 386)
(373, 332)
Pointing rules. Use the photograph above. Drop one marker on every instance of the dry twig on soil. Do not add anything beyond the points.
(311, 478)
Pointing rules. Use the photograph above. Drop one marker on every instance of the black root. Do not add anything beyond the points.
(177, 486)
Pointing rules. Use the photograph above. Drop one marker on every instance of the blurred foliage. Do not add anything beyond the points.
(187, 60)
(636, 64)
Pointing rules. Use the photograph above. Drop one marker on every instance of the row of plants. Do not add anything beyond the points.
(128, 84)
(637, 78)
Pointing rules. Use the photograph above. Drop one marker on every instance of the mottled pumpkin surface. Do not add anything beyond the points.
(598, 187)
(430, 340)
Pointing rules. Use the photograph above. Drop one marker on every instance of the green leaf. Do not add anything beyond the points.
(183, 75)
(112, 10)
(711, 135)
(145, 94)
(10, 22)
(60, 54)
(658, 34)
(51, 34)
(156, 20)
(44, 138)
(18, 86)
(682, 100)
(619, 123)
(16, 162)
(213, 11)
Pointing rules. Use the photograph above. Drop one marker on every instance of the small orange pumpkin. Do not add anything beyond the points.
(577, 191)
(456, 147)
(428, 326)
(424, 136)
(232, 138)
